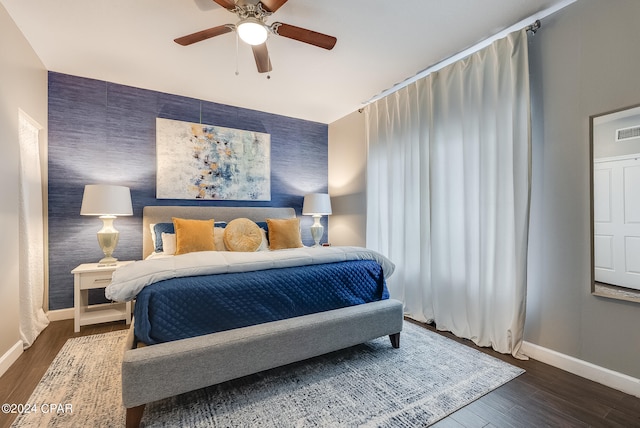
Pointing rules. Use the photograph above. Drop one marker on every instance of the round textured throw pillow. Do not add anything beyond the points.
(242, 234)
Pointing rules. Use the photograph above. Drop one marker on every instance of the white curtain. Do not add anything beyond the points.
(448, 189)
(32, 317)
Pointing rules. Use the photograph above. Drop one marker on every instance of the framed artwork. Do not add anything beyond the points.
(196, 161)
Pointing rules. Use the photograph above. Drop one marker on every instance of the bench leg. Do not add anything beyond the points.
(134, 416)
(395, 340)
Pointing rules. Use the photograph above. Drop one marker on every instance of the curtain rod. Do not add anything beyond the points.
(525, 23)
(534, 27)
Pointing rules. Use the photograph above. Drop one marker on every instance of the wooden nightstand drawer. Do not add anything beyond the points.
(91, 280)
(90, 276)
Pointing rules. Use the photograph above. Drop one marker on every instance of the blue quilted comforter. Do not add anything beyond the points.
(192, 306)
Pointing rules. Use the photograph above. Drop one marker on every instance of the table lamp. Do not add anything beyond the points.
(316, 205)
(107, 202)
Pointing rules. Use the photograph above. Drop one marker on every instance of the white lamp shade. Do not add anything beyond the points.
(252, 31)
(316, 204)
(103, 199)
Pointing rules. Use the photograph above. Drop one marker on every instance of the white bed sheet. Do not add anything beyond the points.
(129, 280)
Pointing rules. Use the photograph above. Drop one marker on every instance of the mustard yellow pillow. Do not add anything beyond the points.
(242, 234)
(284, 233)
(193, 235)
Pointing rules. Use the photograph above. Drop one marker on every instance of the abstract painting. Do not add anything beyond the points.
(196, 161)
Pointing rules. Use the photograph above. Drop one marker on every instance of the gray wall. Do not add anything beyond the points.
(584, 61)
(23, 85)
(604, 133)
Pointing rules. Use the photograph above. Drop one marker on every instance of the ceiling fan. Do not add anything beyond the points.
(253, 29)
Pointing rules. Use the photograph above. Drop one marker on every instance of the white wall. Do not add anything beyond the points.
(584, 61)
(23, 85)
(347, 180)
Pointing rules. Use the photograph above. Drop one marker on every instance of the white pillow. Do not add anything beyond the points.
(218, 238)
(168, 243)
(264, 246)
(153, 234)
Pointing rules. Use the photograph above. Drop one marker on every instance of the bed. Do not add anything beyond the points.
(172, 365)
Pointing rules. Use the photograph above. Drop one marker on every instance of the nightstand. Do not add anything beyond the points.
(88, 276)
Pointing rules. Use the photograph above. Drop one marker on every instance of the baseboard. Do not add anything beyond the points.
(10, 357)
(60, 314)
(68, 313)
(604, 376)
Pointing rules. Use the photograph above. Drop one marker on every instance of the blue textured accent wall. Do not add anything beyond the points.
(104, 133)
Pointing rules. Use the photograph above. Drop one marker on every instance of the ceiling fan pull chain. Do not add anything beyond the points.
(269, 62)
(237, 72)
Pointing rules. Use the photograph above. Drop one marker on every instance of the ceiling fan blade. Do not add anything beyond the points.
(227, 4)
(203, 35)
(304, 35)
(272, 5)
(261, 54)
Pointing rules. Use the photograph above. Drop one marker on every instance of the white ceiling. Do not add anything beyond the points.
(380, 43)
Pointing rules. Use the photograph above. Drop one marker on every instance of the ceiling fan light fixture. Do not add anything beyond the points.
(252, 31)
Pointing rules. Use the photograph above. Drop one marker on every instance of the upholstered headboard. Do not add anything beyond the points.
(163, 214)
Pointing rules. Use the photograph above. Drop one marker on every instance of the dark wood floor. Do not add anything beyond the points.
(545, 396)
(542, 397)
(17, 384)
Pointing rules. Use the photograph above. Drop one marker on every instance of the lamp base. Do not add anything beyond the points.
(108, 239)
(107, 261)
(317, 230)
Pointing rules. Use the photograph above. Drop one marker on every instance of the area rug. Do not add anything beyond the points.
(370, 385)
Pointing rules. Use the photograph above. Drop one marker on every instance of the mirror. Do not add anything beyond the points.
(615, 204)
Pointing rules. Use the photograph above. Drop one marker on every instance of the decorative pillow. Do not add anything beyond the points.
(284, 233)
(169, 243)
(242, 234)
(264, 245)
(193, 235)
(159, 228)
(153, 235)
(264, 226)
(218, 238)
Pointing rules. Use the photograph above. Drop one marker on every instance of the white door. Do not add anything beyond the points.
(616, 199)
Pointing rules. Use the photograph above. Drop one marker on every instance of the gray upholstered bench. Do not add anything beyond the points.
(155, 372)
